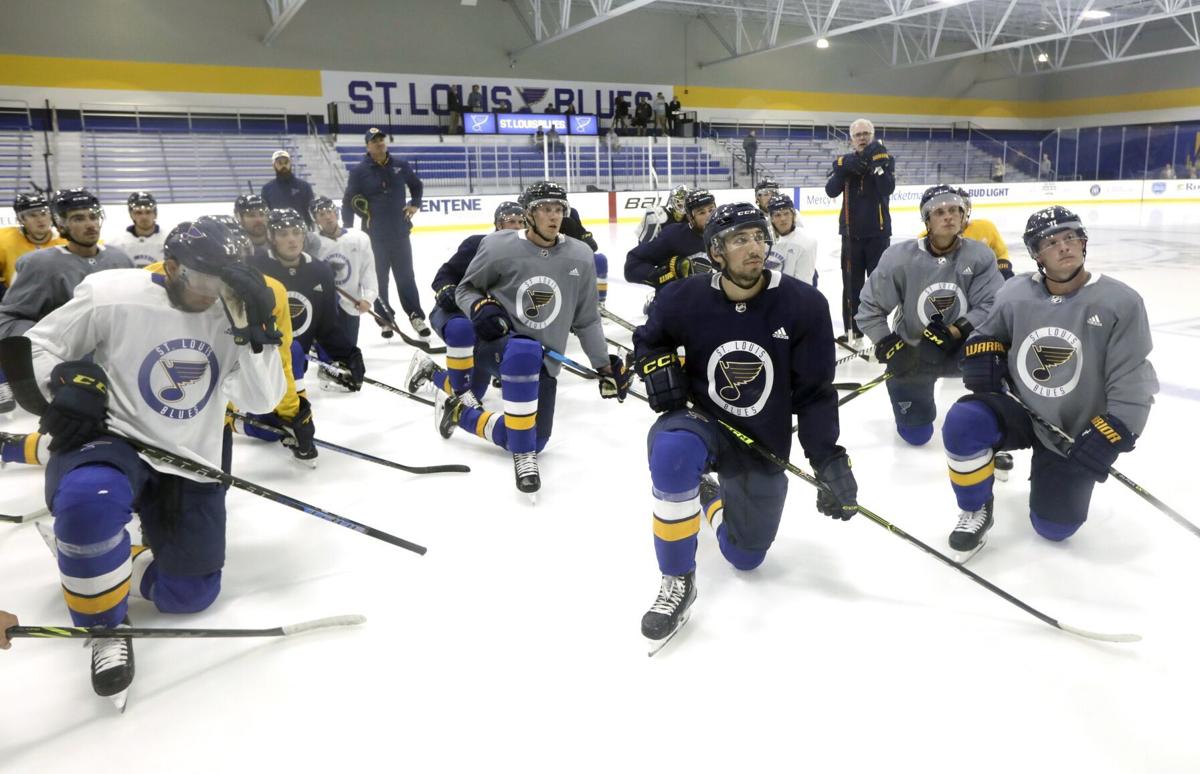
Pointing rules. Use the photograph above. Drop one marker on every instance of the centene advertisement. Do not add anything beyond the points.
(422, 95)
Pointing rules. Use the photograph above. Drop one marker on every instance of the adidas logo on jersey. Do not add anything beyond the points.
(1095, 320)
(780, 333)
(573, 272)
(967, 270)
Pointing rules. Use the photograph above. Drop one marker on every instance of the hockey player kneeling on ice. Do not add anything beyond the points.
(794, 252)
(166, 353)
(526, 290)
(758, 348)
(1074, 345)
(678, 251)
(944, 286)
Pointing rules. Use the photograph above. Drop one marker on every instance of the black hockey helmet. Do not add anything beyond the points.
(248, 202)
(780, 202)
(966, 197)
(697, 199)
(141, 199)
(73, 199)
(321, 203)
(733, 217)
(204, 245)
(764, 185)
(541, 192)
(505, 209)
(1048, 222)
(239, 236)
(939, 196)
(278, 220)
(24, 202)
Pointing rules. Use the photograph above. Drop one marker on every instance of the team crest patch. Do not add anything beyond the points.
(341, 267)
(944, 298)
(1050, 361)
(740, 377)
(300, 309)
(178, 377)
(539, 301)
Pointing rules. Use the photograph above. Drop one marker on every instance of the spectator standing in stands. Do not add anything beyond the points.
(865, 179)
(750, 145)
(1169, 172)
(660, 114)
(475, 100)
(620, 113)
(552, 140)
(998, 171)
(673, 115)
(143, 241)
(376, 194)
(642, 115)
(287, 191)
(1047, 167)
(455, 106)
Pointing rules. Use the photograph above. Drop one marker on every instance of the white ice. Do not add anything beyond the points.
(514, 643)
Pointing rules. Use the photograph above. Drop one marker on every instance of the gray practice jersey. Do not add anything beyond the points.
(1075, 356)
(46, 279)
(919, 285)
(547, 292)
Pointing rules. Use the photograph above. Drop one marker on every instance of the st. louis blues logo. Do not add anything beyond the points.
(478, 122)
(539, 301)
(341, 267)
(740, 377)
(530, 95)
(177, 378)
(300, 309)
(582, 124)
(944, 298)
(1050, 361)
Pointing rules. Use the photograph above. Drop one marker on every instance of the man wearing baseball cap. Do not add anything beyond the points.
(286, 190)
(375, 194)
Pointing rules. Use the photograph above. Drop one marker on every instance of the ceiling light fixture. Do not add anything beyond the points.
(1043, 57)
(822, 43)
(1094, 15)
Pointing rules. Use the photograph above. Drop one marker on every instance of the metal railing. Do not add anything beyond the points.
(122, 116)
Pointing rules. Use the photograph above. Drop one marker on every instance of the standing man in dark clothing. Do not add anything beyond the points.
(455, 106)
(865, 179)
(287, 191)
(376, 193)
(620, 113)
(750, 145)
(673, 115)
(475, 100)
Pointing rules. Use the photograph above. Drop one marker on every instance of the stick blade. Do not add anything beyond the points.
(332, 622)
(1101, 636)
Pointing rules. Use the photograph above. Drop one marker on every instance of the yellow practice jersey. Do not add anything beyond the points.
(985, 231)
(13, 245)
(290, 403)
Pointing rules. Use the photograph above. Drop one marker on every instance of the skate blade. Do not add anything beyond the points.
(119, 700)
(1001, 475)
(962, 557)
(46, 530)
(656, 645)
(306, 464)
(532, 497)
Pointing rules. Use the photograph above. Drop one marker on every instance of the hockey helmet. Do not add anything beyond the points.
(71, 200)
(544, 191)
(277, 220)
(1048, 222)
(678, 199)
(321, 203)
(25, 202)
(141, 199)
(247, 203)
(507, 209)
(733, 217)
(204, 246)
(939, 196)
(765, 185)
(697, 199)
(780, 202)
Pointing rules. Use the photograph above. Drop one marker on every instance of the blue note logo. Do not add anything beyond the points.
(300, 308)
(740, 377)
(531, 96)
(341, 267)
(944, 298)
(177, 378)
(539, 301)
(1050, 361)
(481, 123)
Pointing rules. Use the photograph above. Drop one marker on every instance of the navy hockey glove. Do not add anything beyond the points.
(301, 430)
(838, 496)
(345, 376)
(676, 268)
(854, 164)
(984, 364)
(490, 320)
(876, 157)
(445, 299)
(250, 306)
(79, 405)
(1096, 448)
(937, 341)
(895, 353)
(666, 384)
(616, 384)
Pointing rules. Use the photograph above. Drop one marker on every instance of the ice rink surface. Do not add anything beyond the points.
(514, 643)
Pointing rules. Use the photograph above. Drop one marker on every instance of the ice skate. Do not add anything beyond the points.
(529, 481)
(419, 325)
(670, 611)
(970, 534)
(420, 373)
(112, 667)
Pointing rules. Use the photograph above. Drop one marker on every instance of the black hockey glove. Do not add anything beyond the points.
(838, 497)
(895, 353)
(300, 432)
(250, 306)
(876, 157)
(490, 320)
(984, 364)
(937, 341)
(666, 383)
(445, 299)
(79, 405)
(616, 384)
(854, 164)
(676, 268)
(345, 376)
(1096, 448)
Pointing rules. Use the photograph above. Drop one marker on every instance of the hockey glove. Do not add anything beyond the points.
(615, 384)
(490, 320)
(1096, 448)
(838, 496)
(984, 364)
(345, 375)
(250, 306)
(301, 430)
(676, 268)
(854, 164)
(876, 157)
(666, 383)
(895, 353)
(445, 299)
(937, 341)
(78, 407)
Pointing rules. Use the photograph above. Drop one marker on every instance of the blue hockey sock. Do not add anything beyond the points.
(460, 352)
(520, 373)
(677, 459)
(970, 434)
(602, 276)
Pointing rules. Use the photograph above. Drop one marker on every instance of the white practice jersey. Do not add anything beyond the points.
(143, 251)
(353, 264)
(170, 373)
(795, 255)
(652, 222)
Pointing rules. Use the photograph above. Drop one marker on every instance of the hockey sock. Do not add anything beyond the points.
(28, 449)
(91, 507)
(459, 335)
(970, 434)
(602, 276)
(299, 365)
(677, 459)
(714, 510)
(520, 373)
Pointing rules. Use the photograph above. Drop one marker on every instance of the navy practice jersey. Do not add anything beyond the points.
(452, 271)
(753, 363)
(312, 301)
(645, 261)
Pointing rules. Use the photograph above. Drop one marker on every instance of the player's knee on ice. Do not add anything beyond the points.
(915, 435)
(182, 594)
(741, 558)
(971, 427)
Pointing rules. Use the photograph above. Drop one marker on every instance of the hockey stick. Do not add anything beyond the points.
(1136, 488)
(619, 345)
(767, 454)
(386, 323)
(21, 518)
(98, 632)
(878, 380)
(353, 452)
(857, 352)
(333, 369)
(618, 320)
(15, 359)
(584, 371)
